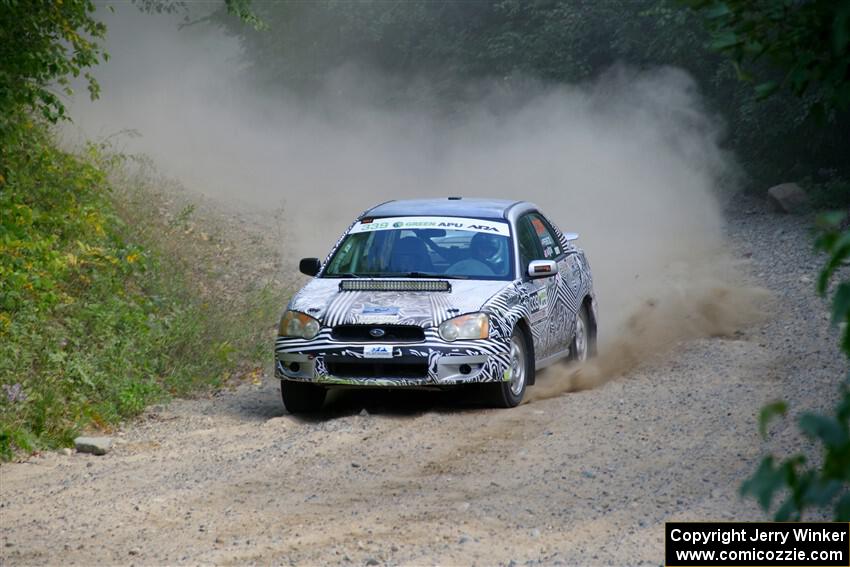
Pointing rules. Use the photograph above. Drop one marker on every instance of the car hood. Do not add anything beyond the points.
(323, 299)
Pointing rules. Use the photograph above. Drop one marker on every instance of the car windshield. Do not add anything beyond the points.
(440, 247)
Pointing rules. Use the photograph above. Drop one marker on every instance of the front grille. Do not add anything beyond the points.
(397, 368)
(392, 333)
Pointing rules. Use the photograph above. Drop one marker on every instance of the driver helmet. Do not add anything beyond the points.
(484, 246)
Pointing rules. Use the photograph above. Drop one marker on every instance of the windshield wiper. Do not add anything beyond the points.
(411, 275)
(439, 276)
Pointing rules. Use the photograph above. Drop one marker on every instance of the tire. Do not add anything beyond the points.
(302, 397)
(508, 394)
(583, 345)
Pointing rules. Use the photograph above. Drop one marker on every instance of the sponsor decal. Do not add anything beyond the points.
(377, 319)
(374, 310)
(377, 351)
(539, 228)
(537, 317)
(575, 267)
(542, 298)
(447, 223)
(373, 314)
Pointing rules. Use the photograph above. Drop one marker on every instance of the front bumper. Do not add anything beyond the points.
(432, 362)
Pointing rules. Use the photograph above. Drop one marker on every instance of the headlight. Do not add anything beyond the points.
(295, 324)
(474, 326)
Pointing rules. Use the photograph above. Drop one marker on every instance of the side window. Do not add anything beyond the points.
(549, 244)
(345, 258)
(528, 243)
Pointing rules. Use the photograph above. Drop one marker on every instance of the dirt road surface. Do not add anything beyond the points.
(586, 478)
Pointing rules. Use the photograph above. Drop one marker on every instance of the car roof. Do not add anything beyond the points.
(449, 207)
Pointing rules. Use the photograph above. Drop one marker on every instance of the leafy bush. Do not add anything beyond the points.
(42, 45)
(808, 44)
(831, 193)
(97, 320)
(45, 43)
(827, 484)
(809, 41)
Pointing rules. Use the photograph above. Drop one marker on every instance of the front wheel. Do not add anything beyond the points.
(302, 397)
(509, 393)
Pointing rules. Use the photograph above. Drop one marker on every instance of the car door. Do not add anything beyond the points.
(547, 314)
(573, 269)
(569, 281)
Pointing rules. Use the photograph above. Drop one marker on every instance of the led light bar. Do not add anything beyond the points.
(394, 285)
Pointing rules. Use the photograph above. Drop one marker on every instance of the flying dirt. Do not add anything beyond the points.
(699, 308)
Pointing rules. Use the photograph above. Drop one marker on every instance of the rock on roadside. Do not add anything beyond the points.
(788, 198)
(93, 445)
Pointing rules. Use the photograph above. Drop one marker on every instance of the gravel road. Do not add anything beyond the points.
(422, 478)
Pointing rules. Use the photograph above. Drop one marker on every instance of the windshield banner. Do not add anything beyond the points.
(446, 223)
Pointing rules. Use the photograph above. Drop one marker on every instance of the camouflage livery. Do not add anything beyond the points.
(395, 333)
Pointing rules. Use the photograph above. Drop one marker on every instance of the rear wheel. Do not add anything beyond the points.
(302, 397)
(584, 342)
(509, 393)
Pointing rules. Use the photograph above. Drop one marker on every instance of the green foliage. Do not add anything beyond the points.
(827, 484)
(819, 486)
(449, 41)
(243, 11)
(96, 320)
(808, 40)
(239, 8)
(46, 43)
(43, 44)
(770, 411)
(836, 244)
(95, 323)
(831, 192)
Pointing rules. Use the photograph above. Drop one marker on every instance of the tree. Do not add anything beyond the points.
(809, 42)
(45, 43)
(451, 44)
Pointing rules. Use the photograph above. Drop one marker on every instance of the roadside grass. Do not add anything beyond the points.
(110, 300)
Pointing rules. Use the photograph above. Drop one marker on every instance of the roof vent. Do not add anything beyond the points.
(455, 198)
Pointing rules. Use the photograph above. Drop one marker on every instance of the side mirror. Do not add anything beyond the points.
(542, 268)
(309, 266)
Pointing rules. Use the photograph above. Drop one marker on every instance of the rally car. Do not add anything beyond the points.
(438, 293)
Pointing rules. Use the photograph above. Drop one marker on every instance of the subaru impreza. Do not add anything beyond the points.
(438, 293)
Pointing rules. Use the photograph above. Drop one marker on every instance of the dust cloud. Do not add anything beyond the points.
(654, 328)
(631, 160)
